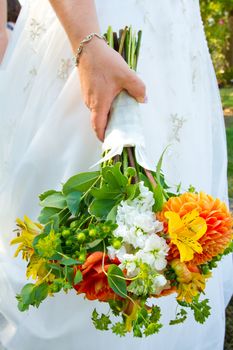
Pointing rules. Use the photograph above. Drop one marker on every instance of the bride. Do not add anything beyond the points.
(46, 136)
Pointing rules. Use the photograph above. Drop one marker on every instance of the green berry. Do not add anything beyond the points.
(116, 244)
(92, 232)
(81, 237)
(65, 233)
(69, 243)
(82, 257)
(106, 229)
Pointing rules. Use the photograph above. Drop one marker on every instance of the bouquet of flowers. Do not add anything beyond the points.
(120, 235)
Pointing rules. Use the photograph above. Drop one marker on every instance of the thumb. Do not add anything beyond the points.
(135, 87)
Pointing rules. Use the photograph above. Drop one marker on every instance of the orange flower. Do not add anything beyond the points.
(218, 219)
(95, 284)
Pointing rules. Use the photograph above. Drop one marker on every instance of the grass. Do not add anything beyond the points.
(227, 97)
(227, 101)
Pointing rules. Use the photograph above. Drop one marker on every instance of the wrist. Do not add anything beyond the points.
(91, 40)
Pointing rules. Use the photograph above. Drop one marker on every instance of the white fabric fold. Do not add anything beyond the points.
(125, 129)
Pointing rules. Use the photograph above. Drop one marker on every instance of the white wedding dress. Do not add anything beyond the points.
(45, 137)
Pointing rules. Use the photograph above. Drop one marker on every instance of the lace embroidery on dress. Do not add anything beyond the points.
(32, 74)
(64, 68)
(177, 125)
(37, 29)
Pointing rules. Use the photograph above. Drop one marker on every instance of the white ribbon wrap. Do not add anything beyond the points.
(125, 130)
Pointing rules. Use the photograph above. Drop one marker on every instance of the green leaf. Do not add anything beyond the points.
(46, 214)
(106, 192)
(130, 172)
(116, 281)
(69, 262)
(158, 197)
(112, 214)
(100, 208)
(159, 168)
(180, 317)
(152, 328)
(100, 322)
(114, 177)
(69, 272)
(78, 277)
(44, 195)
(28, 293)
(41, 293)
(73, 200)
(22, 307)
(81, 182)
(55, 200)
(145, 180)
(93, 244)
(119, 329)
(132, 191)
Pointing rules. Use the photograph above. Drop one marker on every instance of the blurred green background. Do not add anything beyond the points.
(217, 18)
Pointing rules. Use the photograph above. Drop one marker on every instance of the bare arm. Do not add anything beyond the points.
(3, 31)
(103, 72)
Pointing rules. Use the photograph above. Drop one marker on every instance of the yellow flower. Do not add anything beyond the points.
(187, 291)
(37, 269)
(27, 231)
(185, 232)
(190, 283)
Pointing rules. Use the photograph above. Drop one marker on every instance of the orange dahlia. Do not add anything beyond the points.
(218, 219)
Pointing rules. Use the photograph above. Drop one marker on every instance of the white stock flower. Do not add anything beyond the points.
(129, 262)
(119, 253)
(156, 243)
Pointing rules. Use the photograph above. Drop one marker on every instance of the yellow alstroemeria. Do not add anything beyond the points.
(185, 232)
(187, 291)
(28, 230)
(37, 269)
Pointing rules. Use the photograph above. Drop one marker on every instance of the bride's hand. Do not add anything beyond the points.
(103, 75)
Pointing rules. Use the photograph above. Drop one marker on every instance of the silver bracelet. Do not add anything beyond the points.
(82, 43)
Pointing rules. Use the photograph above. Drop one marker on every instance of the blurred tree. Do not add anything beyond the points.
(217, 17)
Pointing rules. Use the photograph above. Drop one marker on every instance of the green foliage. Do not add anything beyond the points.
(100, 322)
(181, 316)
(201, 309)
(81, 182)
(116, 280)
(32, 294)
(119, 329)
(215, 15)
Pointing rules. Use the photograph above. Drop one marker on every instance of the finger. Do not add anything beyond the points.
(99, 119)
(136, 88)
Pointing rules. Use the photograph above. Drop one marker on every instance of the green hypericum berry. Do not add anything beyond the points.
(69, 242)
(92, 232)
(106, 229)
(82, 257)
(116, 244)
(81, 237)
(65, 233)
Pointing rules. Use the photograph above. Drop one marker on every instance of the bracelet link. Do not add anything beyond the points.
(87, 39)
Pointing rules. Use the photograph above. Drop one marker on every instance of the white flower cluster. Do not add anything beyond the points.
(137, 229)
